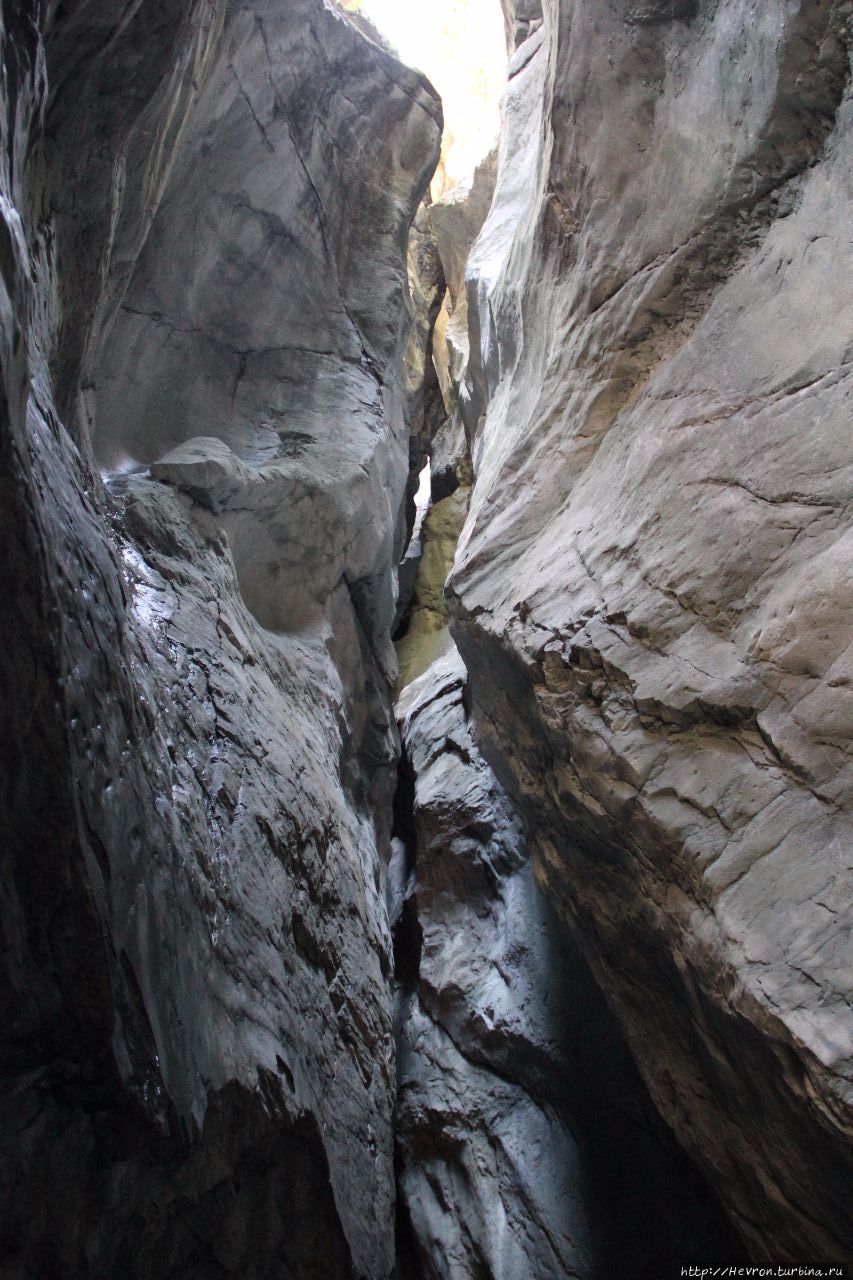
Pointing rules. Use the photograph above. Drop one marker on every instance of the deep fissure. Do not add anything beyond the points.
(425, 786)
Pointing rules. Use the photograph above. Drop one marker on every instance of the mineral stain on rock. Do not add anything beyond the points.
(519, 949)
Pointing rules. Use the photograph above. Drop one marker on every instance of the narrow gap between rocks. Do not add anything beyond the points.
(342, 899)
(526, 1144)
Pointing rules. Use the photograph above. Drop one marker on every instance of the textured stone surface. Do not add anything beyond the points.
(427, 634)
(295, 179)
(210, 422)
(457, 220)
(653, 588)
(425, 409)
(439, 244)
(203, 263)
(528, 1146)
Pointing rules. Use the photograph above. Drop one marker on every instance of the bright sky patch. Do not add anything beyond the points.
(460, 46)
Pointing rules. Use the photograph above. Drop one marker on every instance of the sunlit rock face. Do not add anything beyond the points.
(528, 1148)
(427, 634)
(461, 46)
(653, 589)
(204, 269)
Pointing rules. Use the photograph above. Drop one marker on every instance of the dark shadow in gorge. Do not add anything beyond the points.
(521, 1116)
(650, 1208)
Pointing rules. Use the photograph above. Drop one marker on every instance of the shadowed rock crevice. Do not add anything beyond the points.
(199, 751)
(517, 986)
(214, 1216)
(527, 1144)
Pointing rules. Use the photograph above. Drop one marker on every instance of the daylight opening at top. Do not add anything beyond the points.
(460, 45)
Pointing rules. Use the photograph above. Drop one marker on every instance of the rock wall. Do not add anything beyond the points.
(210, 422)
(652, 592)
(457, 219)
(528, 1147)
(441, 239)
(204, 217)
(425, 408)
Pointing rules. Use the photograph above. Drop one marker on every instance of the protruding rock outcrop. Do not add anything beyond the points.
(653, 591)
(204, 265)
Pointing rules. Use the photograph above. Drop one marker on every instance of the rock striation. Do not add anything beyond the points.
(204, 460)
(652, 592)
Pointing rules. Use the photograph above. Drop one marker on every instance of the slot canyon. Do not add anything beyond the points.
(426, 671)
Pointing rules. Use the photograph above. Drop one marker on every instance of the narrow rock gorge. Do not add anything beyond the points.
(425, 669)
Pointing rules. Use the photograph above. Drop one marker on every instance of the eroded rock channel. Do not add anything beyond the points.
(446, 882)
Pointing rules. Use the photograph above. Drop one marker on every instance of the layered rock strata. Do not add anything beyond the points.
(204, 215)
(652, 593)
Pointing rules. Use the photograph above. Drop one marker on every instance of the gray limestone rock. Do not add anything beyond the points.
(426, 634)
(425, 409)
(457, 220)
(652, 592)
(206, 469)
(216, 392)
(204, 270)
(528, 1147)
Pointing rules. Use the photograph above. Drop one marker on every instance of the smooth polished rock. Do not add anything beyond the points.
(205, 468)
(652, 593)
(528, 1146)
(457, 220)
(204, 270)
(425, 409)
(296, 177)
(427, 635)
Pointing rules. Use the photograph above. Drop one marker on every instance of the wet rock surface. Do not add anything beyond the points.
(652, 593)
(198, 745)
